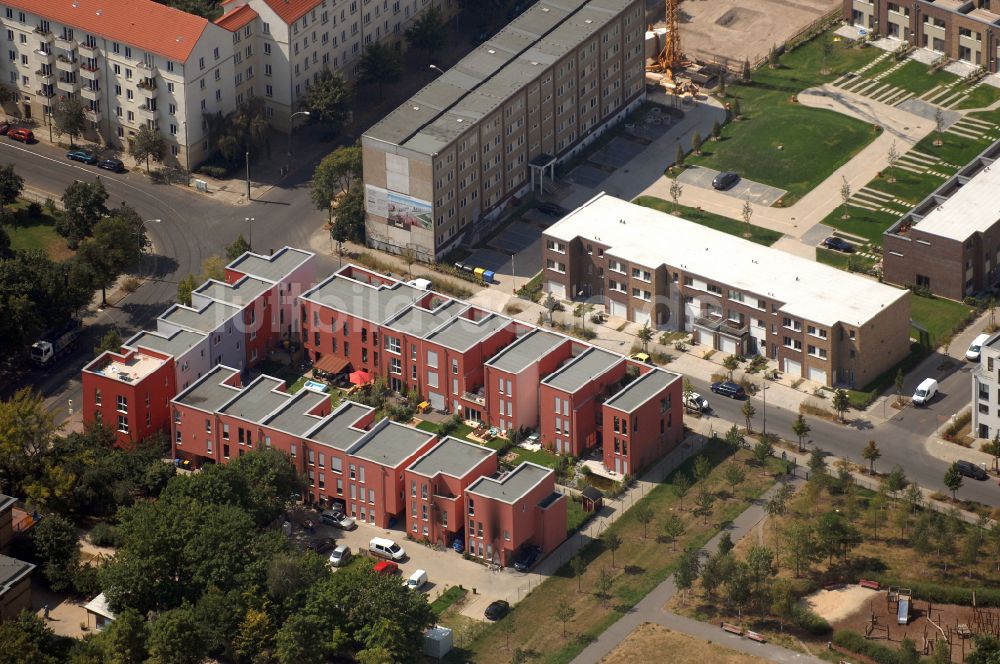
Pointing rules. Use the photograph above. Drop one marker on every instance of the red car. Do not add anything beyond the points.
(386, 567)
(23, 135)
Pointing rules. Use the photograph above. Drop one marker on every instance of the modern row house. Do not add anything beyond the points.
(233, 323)
(949, 244)
(986, 391)
(966, 30)
(445, 164)
(733, 295)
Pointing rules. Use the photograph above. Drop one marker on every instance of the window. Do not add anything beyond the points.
(123, 423)
(208, 425)
(336, 464)
(643, 275)
(122, 404)
(225, 431)
(392, 344)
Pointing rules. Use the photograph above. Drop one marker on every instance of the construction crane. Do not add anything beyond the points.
(670, 57)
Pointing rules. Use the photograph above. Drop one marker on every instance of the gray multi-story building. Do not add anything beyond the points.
(449, 160)
(986, 390)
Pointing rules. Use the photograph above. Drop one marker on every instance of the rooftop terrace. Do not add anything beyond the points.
(129, 368)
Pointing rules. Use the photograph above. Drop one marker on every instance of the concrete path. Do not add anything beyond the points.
(650, 609)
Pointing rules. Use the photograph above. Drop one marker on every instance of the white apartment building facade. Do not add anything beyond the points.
(986, 390)
(131, 62)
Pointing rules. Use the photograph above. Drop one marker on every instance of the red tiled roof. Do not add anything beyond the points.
(148, 25)
(237, 18)
(291, 10)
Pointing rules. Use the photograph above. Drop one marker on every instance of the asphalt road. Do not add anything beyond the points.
(192, 227)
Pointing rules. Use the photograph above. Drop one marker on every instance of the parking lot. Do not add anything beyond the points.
(762, 194)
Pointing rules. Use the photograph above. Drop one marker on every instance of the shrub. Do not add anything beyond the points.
(130, 284)
(34, 210)
(50, 206)
(217, 172)
(960, 422)
(858, 644)
(810, 621)
(946, 594)
(104, 534)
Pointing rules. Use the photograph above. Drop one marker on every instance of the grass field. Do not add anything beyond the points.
(649, 642)
(36, 233)
(940, 317)
(815, 142)
(982, 96)
(917, 77)
(575, 516)
(758, 234)
(839, 259)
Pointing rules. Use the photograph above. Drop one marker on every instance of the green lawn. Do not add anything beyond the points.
(981, 97)
(542, 457)
(575, 516)
(840, 260)
(758, 234)
(917, 77)
(36, 233)
(940, 317)
(462, 431)
(815, 142)
(447, 598)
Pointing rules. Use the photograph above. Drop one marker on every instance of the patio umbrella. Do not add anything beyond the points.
(359, 377)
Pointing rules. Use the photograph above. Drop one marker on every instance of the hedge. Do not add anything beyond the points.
(946, 594)
(856, 643)
(810, 621)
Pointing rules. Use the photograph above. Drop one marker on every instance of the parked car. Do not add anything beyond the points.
(838, 244)
(20, 134)
(337, 519)
(925, 392)
(381, 547)
(497, 610)
(386, 567)
(976, 347)
(113, 165)
(729, 389)
(321, 545)
(526, 558)
(417, 580)
(970, 469)
(340, 556)
(725, 180)
(696, 402)
(552, 209)
(4, 127)
(84, 156)
(640, 357)
(458, 544)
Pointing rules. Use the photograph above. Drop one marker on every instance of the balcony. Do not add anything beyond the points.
(88, 50)
(475, 398)
(45, 36)
(92, 115)
(89, 73)
(90, 94)
(68, 84)
(45, 57)
(148, 85)
(66, 44)
(66, 64)
(147, 113)
(45, 94)
(45, 78)
(147, 70)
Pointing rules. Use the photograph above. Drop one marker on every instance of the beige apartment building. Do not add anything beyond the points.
(735, 296)
(446, 162)
(966, 30)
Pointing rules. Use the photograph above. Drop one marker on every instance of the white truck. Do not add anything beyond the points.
(55, 343)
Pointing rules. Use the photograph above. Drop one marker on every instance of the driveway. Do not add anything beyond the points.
(756, 192)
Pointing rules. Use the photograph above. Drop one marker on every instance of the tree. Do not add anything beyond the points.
(845, 197)
(57, 547)
(896, 481)
(726, 543)
(953, 480)
(645, 335)
(939, 126)
(841, 402)
(564, 613)
(835, 536)
(328, 99)
(237, 248)
(578, 565)
(679, 156)
(69, 118)
(333, 177)
(761, 570)
(380, 64)
(734, 476)
(184, 289)
(739, 590)
(83, 203)
(26, 639)
(427, 33)
(551, 304)
(705, 501)
(898, 382)
(827, 50)
(773, 57)
(696, 143)
(714, 573)
(602, 585)
(175, 638)
(737, 112)
(147, 144)
(349, 219)
(124, 640)
(688, 568)
(745, 71)
(213, 267)
(681, 485)
(702, 468)
(673, 528)
(644, 515)
(747, 214)
(117, 242)
(111, 341)
(801, 429)
(871, 454)
(26, 431)
(748, 414)
(799, 545)
(676, 191)
(716, 130)
(687, 392)
(731, 364)
(891, 159)
(613, 541)
(734, 438)
(11, 185)
(244, 130)
(783, 602)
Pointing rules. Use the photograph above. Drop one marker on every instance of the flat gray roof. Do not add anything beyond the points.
(294, 417)
(11, 571)
(240, 294)
(452, 457)
(640, 390)
(529, 348)
(6, 502)
(576, 373)
(419, 322)
(258, 399)
(271, 268)
(390, 443)
(208, 393)
(461, 334)
(512, 486)
(207, 319)
(335, 430)
(493, 72)
(371, 303)
(177, 344)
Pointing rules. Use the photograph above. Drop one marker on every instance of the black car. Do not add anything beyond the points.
(725, 180)
(497, 610)
(838, 244)
(729, 389)
(320, 545)
(114, 165)
(970, 469)
(552, 209)
(527, 558)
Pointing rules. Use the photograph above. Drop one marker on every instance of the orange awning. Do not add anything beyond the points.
(331, 364)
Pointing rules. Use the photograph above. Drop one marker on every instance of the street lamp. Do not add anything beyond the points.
(138, 237)
(187, 155)
(437, 69)
(290, 126)
(764, 392)
(250, 221)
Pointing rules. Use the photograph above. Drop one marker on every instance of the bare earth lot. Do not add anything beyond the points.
(741, 29)
(651, 643)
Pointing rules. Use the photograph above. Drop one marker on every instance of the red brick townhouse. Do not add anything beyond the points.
(435, 487)
(234, 323)
(641, 422)
(520, 508)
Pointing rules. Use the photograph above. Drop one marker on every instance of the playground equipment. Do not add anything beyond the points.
(876, 628)
(902, 599)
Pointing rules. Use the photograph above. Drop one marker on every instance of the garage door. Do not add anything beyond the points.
(817, 375)
(728, 346)
(437, 401)
(557, 289)
(617, 309)
(793, 368)
(642, 317)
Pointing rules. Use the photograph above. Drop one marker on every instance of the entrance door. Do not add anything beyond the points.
(617, 308)
(818, 375)
(793, 367)
(728, 346)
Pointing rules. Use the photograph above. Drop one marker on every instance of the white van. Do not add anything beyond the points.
(417, 580)
(925, 392)
(976, 347)
(381, 547)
